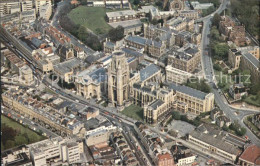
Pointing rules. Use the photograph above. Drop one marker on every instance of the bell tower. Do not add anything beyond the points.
(118, 79)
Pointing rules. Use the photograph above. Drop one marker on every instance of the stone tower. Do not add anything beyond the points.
(118, 79)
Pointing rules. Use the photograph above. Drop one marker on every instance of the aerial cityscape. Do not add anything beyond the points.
(130, 82)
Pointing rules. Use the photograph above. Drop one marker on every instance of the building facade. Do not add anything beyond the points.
(118, 79)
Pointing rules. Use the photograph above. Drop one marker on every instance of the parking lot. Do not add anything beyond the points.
(181, 127)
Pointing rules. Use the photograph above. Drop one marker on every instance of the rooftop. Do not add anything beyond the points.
(148, 71)
(251, 154)
(121, 13)
(187, 90)
(217, 142)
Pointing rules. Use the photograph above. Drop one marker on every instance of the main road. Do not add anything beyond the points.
(207, 67)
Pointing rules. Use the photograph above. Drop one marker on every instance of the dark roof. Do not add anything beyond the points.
(36, 42)
(148, 71)
(252, 59)
(132, 52)
(156, 103)
(187, 90)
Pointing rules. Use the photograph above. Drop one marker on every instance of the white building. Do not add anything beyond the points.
(45, 11)
(176, 75)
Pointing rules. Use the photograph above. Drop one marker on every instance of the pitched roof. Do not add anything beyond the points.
(251, 154)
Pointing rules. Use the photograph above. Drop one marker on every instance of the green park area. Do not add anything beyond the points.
(92, 18)
(134, 111)
(15, 134)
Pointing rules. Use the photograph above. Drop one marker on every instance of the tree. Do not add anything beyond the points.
(9, 144)
(8, 133)
(116, 34)
(20, 140)
(82, 33)
(217, 67)
(221, 50)
(216, 19)
(176, 115)
(184, 118)
(136, 2)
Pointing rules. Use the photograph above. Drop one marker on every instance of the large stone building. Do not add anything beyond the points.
(180, 24)
(157, 32)
(152, 47)
(186, 58)
(192, 100)
(91, 83)
(245, 60)
(233, 32)
(118, 79)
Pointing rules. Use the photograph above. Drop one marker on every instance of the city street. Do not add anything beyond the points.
(209, 75)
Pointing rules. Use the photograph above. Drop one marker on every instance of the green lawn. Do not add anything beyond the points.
(24, 135)
(91, 17)
(251, 99)
(225, 79)
(134, 111)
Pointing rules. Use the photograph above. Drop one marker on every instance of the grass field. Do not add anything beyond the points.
(134, 111)
(251, 99)
(92, 18)
(21, 130)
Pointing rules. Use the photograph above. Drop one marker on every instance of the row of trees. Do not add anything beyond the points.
(78, 31)
(199, 84)
(247, 11)
(11, 137)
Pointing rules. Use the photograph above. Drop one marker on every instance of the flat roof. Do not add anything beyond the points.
(219, 143)
(121, 13)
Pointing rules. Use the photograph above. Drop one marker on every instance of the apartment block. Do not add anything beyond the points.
(45, 11)
(9, 7)
(39, 3)
(99, 135)
(56, 151)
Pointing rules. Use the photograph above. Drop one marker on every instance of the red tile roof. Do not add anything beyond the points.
(164, 156)
(251, 154)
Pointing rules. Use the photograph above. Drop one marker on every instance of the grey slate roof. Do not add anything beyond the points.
(132, 52)
(187, 90)
(156, 103)
(252, 59)
(217, 142)
(148, 71)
